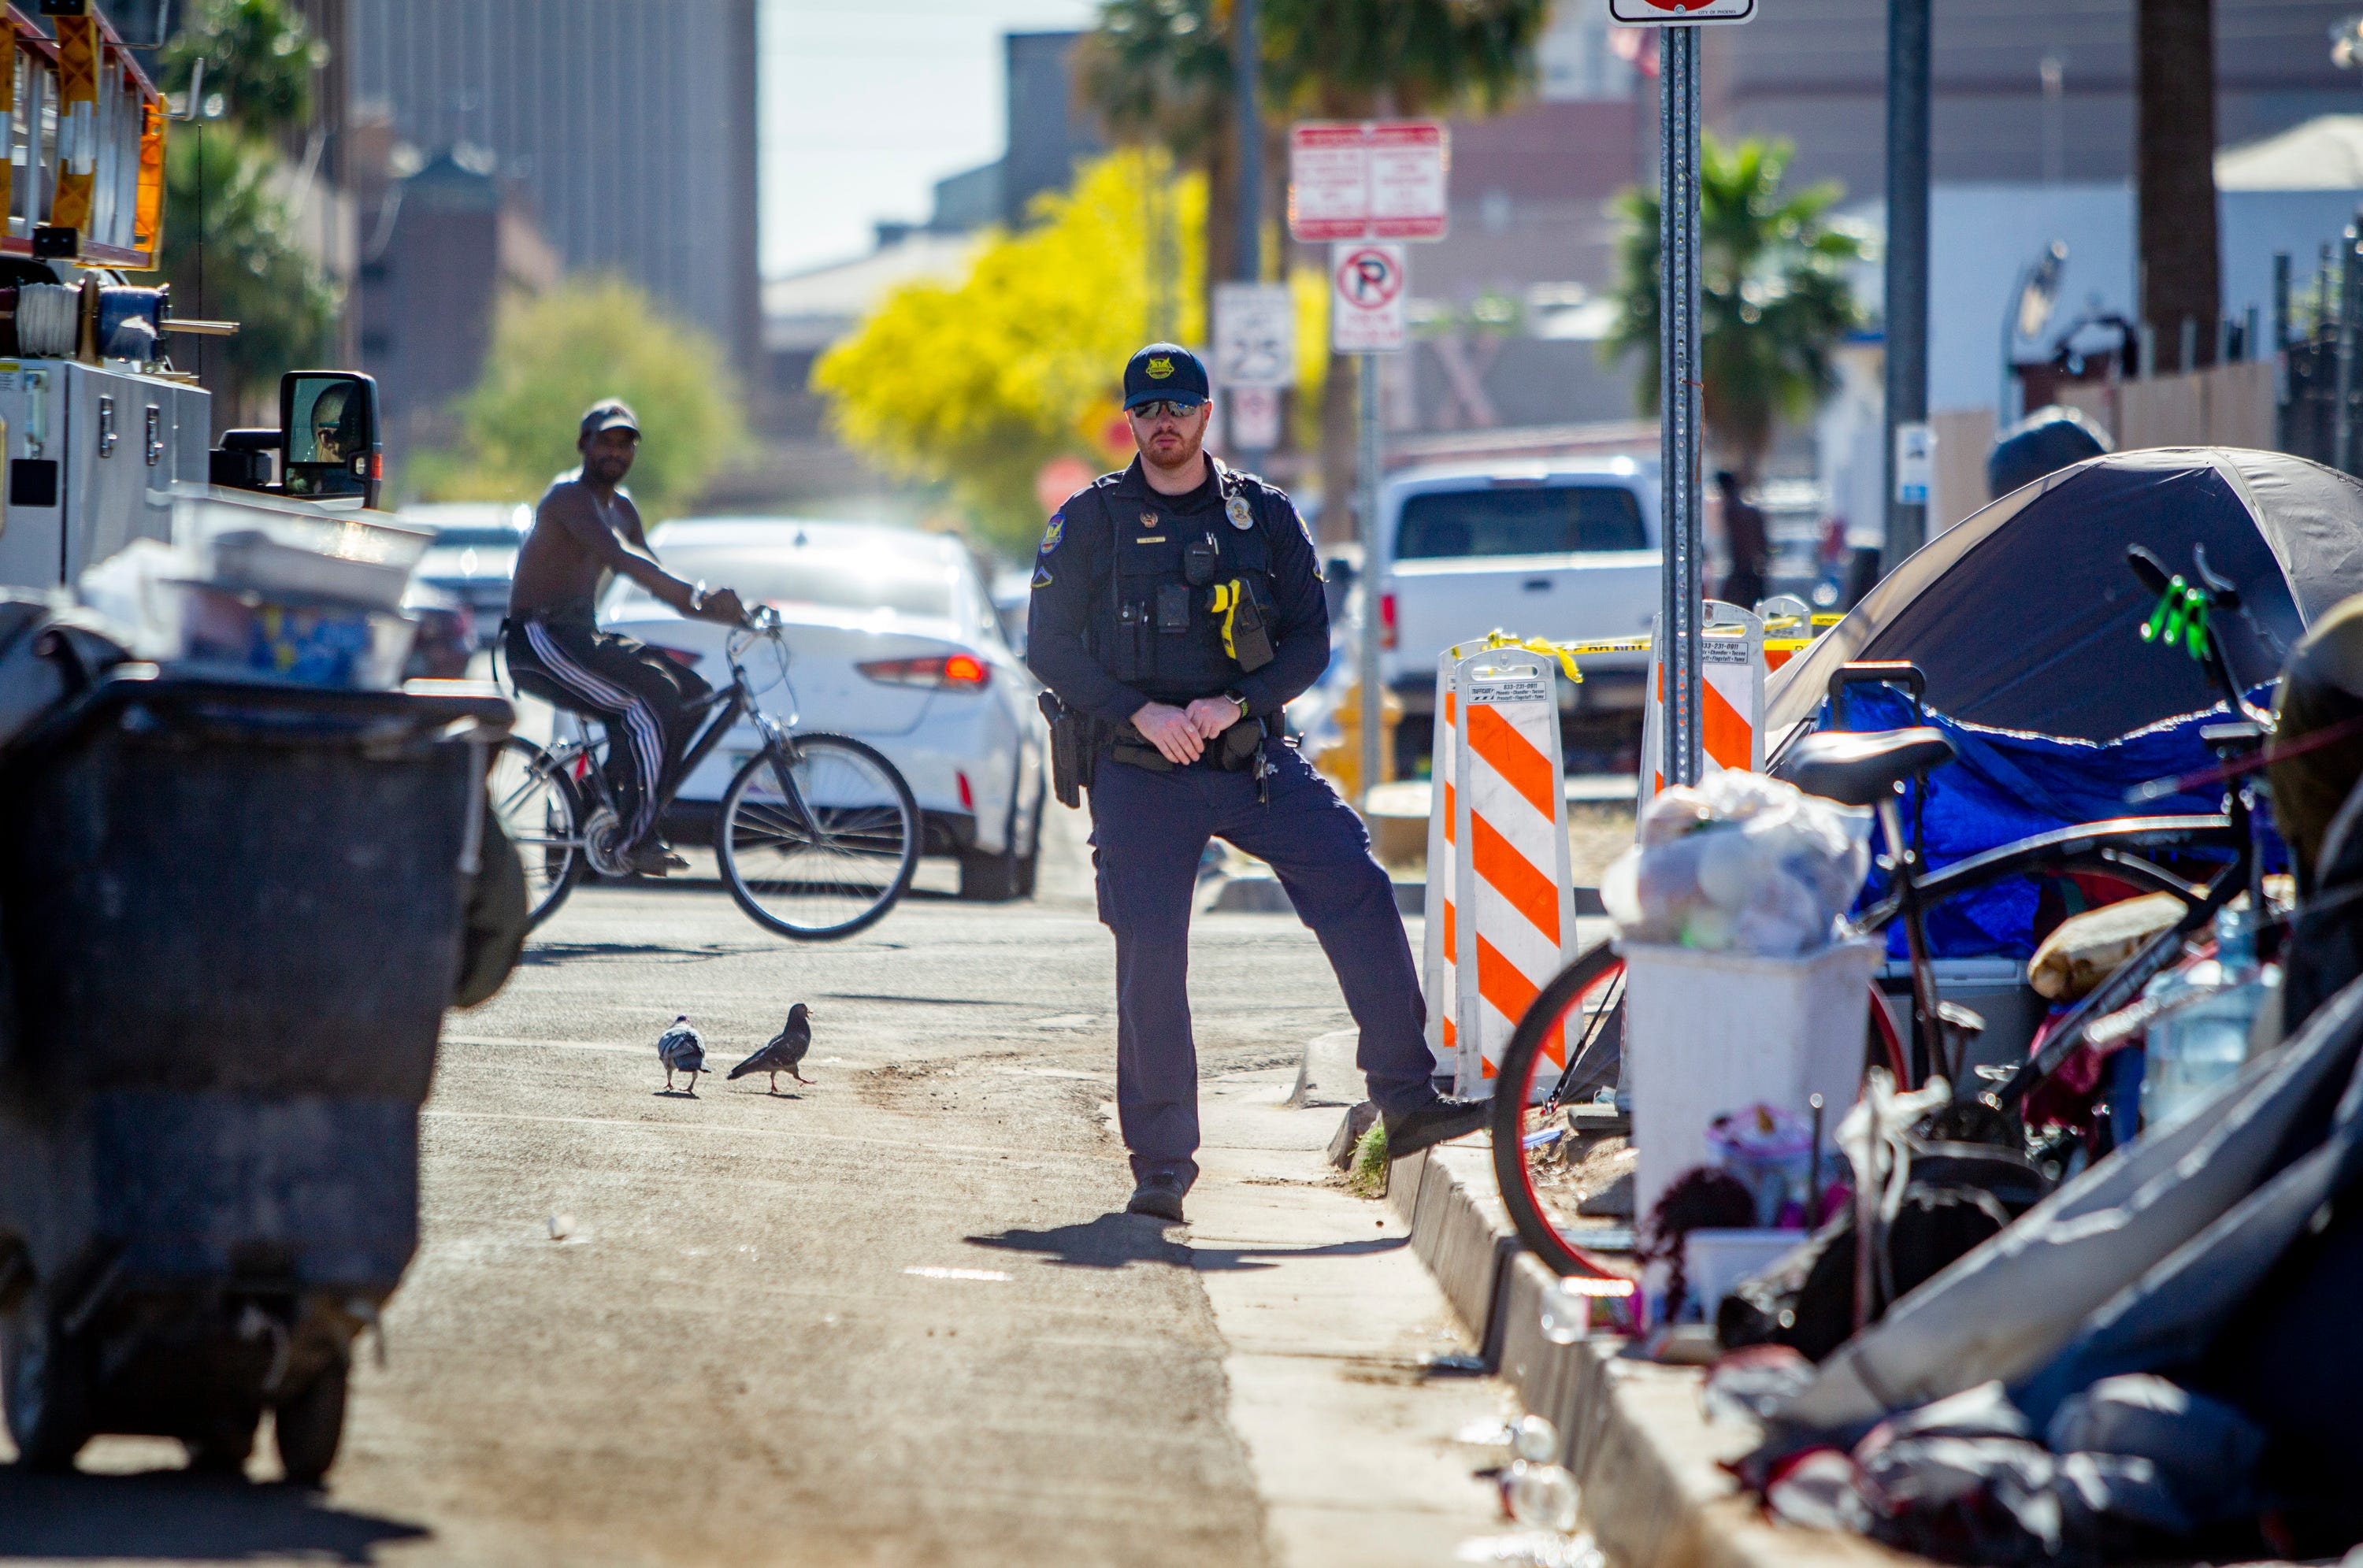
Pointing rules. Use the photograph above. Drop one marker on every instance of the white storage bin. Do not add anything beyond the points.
(1715, 1261)
(1710, 1032)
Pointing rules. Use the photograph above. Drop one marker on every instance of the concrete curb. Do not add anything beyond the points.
(1647, 1458)
(1261, 893)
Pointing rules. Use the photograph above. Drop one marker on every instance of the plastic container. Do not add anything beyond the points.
(317, 642)
(1716, 1263)
(2192, 1052)
(284, 546)
(1706, 1033)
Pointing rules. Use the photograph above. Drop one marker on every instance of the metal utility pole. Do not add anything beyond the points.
(1680, 443)
(1907, 256)
(1366, 467)
(1246, 60)
(2350, 305)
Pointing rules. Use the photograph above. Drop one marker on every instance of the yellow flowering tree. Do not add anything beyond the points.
(973, 387)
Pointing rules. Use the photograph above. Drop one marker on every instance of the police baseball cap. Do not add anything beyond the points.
(1164, 371)
(611, 413)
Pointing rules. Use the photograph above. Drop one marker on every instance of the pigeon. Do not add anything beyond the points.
(786, 1049)
(680, 1051)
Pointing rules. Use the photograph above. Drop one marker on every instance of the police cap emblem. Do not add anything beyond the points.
(1237, 512)
(1160, 367)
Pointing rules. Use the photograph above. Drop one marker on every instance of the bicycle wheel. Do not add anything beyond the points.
(1564, 1048)
(818, 839)
(541, 811)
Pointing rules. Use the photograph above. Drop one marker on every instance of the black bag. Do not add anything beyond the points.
(1955, 1197)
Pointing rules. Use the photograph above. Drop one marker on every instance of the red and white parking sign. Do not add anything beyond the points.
(1367, 297)
(1368, 180)
(1679, 13)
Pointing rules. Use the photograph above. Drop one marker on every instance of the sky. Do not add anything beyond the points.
(866, 105)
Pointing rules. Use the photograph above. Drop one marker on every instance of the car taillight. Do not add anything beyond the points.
(959, 671)
(1386, 620)
(967, 794)
(680, 656)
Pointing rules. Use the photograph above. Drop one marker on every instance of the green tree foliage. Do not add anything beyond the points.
(230, 253)
(554, 355)
(1773, 295)
(259, 60)
(973, 387)
(230, 247)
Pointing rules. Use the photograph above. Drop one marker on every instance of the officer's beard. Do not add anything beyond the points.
(1175, 451)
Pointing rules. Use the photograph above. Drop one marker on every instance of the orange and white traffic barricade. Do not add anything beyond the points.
(1731, 697)
(1501, 909)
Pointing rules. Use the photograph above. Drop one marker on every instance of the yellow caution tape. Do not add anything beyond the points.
(1563, 652)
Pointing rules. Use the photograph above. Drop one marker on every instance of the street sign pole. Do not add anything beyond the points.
(1367, 644)
(1679, 444)
(1907, 259)
(1367, 187)
(1247, 59)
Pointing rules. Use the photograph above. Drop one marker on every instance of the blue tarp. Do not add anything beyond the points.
(2005, 785)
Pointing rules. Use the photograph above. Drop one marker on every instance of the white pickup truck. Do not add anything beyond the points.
(1559, 548)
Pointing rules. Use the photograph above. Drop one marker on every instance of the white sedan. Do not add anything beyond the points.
(892, 639)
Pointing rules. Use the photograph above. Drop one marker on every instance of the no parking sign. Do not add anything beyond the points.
(1366, 298)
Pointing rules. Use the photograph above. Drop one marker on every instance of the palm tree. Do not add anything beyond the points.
(2175, 176)
(1773, 295)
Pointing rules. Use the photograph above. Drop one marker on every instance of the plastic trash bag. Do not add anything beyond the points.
(1741, 863)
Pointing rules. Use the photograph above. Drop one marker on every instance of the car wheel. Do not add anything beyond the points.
(46, 1376)
(988, 877)
(1030, 863)
(309, 1427)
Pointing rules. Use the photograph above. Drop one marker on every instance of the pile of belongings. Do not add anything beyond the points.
(1741, 863)
(2163, 1348)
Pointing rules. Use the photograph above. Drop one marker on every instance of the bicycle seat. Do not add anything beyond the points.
(1863, 769)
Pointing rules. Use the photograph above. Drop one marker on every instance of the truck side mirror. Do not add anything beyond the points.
(329, 422)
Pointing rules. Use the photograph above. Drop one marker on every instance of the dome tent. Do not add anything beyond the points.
(2020, 615)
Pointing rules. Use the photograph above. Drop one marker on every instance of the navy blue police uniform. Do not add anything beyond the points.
(1137, 598)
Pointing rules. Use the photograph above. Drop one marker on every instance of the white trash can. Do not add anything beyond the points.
(1710, 1032)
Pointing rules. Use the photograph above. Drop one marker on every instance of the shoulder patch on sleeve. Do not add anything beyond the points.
(1054, 533)
(1041, 575)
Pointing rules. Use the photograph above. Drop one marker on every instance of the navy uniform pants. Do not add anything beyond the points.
(1148, 832)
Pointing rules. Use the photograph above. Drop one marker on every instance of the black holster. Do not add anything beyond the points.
(1074, 749)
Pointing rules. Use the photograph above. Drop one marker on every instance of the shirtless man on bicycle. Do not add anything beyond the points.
(583, 530)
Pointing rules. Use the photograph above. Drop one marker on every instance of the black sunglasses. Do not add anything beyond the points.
(1164, 408)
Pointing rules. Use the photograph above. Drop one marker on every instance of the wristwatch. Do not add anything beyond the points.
(1235, 696)
(698, 598)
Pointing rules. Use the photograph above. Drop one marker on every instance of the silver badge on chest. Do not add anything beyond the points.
(1236, 509)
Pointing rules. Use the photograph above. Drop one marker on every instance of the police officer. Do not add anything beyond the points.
(1176, 608)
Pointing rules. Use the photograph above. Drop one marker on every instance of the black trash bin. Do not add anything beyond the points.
(233, 916)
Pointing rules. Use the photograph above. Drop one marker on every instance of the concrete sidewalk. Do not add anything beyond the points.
(1332, 1327)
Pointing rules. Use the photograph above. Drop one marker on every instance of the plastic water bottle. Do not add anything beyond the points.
(2197, 1048)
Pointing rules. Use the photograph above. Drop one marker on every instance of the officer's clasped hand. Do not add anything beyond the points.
(1210, 716)
(1172, 732)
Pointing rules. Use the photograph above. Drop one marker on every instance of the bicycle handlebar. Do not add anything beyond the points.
(2185, 606)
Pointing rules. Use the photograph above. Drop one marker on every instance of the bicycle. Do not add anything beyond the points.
(816, 836)
(1566, 1038)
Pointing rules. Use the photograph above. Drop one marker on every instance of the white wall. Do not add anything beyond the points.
(1981, 235)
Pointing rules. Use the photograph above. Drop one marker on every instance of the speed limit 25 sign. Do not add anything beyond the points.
(1679, 13)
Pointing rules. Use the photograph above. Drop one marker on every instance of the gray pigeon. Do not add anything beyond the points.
(786, 1049)
(680, 1051)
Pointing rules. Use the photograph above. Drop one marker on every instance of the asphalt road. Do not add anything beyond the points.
(892, 1317)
